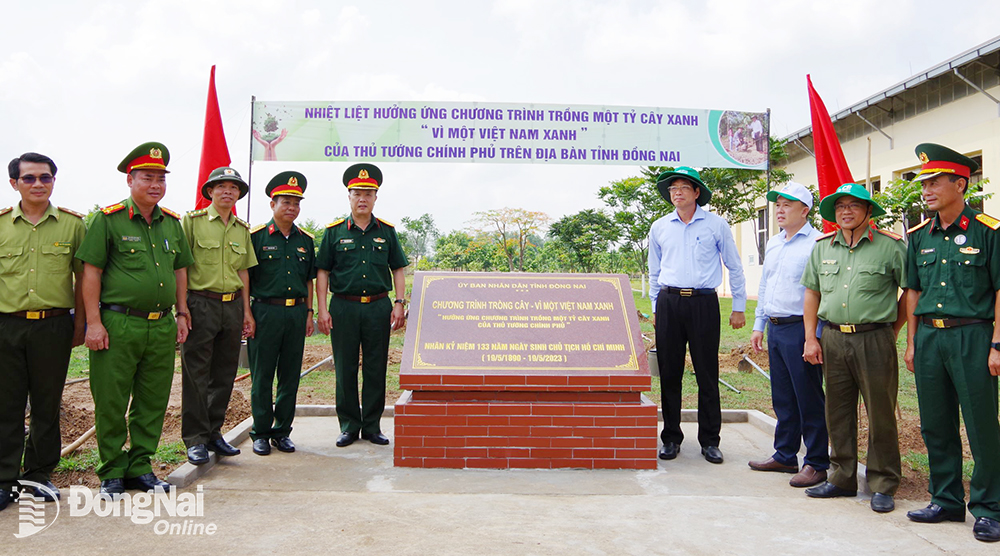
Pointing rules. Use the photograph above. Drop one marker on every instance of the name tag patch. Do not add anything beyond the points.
(928, 250)
(830, 261)
(270, 248)
(968, 251)
(63, 244)
(348, 240)
(131, 238)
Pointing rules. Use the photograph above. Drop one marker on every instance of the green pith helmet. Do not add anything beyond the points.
(664, 180)
(225, 173)
(826, 206)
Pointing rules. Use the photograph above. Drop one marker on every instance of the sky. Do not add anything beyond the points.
(86, 82)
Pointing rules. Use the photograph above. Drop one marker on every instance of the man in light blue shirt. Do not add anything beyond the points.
(687, 249)
(796, 385)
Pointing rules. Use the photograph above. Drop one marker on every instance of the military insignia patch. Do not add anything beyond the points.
(969, 251)
(960, 239)
(301, 249)
(379, 240)
(989, 221)
(155, 153)
(923, 158)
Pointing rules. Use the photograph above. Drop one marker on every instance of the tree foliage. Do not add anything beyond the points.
(420, 236)
(587, 234)
(635, 204)
(509, 229)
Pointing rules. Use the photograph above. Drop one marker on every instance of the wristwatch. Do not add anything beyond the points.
(401, 301)
(995, 345)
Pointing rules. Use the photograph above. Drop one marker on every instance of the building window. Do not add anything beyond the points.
(762, 235)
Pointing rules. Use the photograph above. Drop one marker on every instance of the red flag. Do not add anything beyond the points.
(214, 152)
(831, 166)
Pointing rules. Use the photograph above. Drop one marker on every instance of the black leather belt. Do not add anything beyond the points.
(363, 298)
(38, 315)
(688, 292)
(855, 328)
(290, 302)
(155, 315)
(950, 323)
(784, 320)
(224, 297)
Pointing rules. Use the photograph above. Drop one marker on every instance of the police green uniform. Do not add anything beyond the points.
(279, 286)
(360, 263)
(859, 291)
(210, 356)
(36, 335)
(957, 271)
(138, 291)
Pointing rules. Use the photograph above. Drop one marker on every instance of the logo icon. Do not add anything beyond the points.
(32, 517)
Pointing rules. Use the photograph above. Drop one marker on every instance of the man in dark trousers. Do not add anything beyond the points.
(687, 249)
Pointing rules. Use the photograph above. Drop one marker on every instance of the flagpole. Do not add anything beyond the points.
(253, 102)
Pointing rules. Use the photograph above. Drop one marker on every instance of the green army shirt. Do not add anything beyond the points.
(858, 285)
(360, 261)
(220, 251)
(957, 269)
(138, 257)
(36, 260)
(284, 264)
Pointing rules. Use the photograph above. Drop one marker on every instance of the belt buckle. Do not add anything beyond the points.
(289, 303)
(153, 316)
(33, 315)
(227, 297)
(847, 328)
(686, 292)
(774, 320)
(365, 299)
(937, 323)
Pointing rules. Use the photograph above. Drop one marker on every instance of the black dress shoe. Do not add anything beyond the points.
(346, 439)
(223, 448)
(829, 490)
(712, 454)
(986, 529)
(50, 493)
(376, 438)
(935, 514)
(283, 444)
(147, 483)
(197, 454)
(669, 450)
(882, 503)
(111, 487)
(261, 447)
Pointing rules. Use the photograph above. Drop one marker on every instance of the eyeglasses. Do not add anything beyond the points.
(679, 189)
(853, 207)
(29, 179)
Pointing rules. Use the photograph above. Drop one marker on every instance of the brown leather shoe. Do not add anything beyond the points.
(770, 464)
(807, 477)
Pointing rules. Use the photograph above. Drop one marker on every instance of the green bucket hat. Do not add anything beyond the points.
(854, 190)
(225, 173)
(664, 180)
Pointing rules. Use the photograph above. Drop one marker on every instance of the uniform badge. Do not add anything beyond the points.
(300, 249)
(269, 248)
(131, 238)
(63, 244)
(925, 251)
(830, 261)
(379, 240)
(923, 158)
(969, 251)
(960, 239)
(347, 240)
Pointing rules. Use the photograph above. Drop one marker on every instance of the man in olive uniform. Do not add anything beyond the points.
(359, 261)
(37, 333)
(135, 259)
(219, 299)
(282, 288)
(851, 281)
(954, 275)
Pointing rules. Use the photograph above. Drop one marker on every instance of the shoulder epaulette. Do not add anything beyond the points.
(988, 221)
(257, 228)
(6, 210)
(113, 208)
(196, 213)
(336, 222)
(169, 212)
(73, 212)
(306, 232)
(887, 233)
(920, 225)
(390, 224)
(826, 235)
(242, 222)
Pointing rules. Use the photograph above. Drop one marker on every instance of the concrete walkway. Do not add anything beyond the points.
(324, 499)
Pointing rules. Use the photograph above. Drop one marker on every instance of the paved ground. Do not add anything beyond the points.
(353, 501)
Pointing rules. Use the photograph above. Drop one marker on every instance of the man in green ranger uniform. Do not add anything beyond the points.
(282, 288)
(359, 261)
(37, 333)
(219, 299)
(135, 258)
(954, 275)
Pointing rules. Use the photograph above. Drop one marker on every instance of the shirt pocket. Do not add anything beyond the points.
(873, 278)
(927, 269)
(346, 247)
(57, 257)
(829, 276)
(9, 258)
(240, 251)
(971, 270)
(133, 255)
(207, 251)
(380, 254)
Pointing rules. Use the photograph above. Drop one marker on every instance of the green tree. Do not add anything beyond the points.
(452, 251)
(587, 234)
(510, 229)
(317, 230)
(635, 204)
(421, 234)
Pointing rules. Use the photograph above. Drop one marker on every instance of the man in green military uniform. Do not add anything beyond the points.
(359, 261)
(851, 279)
(282, 289)
(953, 278)
(135, 258)
(219, 299)
(37, 333)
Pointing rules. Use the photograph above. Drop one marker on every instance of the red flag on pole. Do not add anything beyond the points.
(214, 152)
(831, 166)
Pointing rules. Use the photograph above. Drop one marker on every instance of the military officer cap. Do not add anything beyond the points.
(292, 184)
(147, 156)
(938, 160)
(221, 174)
(363, 176)
(826, 206)
(664, 180)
